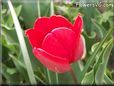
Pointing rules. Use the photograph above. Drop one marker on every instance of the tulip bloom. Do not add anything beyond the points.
(56, 42)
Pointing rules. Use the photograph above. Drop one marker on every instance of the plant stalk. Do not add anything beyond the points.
(73, 75)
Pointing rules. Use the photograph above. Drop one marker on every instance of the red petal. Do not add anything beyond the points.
(53, 46)
(35, 37)
(41, 24)
(80, 51)
(58, 21)
(45, 24)
(83, 47)
(53, 63)
(61, 42)
(78, 25)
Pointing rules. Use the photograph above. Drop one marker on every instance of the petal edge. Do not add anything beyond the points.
(35, 37)
(53, 63)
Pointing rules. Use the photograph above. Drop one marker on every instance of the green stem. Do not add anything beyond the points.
(49, 78)
(73, 75)
(57, 81)
(39, 14)
(52, 7)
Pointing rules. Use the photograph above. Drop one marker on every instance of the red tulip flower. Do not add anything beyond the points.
(56, 42)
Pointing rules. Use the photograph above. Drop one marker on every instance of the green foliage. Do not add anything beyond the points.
(88, 78)
(97, 30)
(103, 64)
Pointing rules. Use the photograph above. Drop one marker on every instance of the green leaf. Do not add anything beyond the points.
(88, 78)
(99, 76)
(99, 60)
(11, 71)
(67, 11)
(30, 10)
(93, 48)
(66, 78)
(10, 36)
(9, 21)
(11, 75)
(39, 79)
(18, 10)
(108, 80)
(63, 9)
(3, 11)
(22, 44)
(78, 67)
(22, 69)
(90, 40)
(89, 13)
(99, 29)
(105, 16)
(92, 57)
(5, 26)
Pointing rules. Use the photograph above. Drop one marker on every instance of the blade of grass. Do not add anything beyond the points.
(22, 44)
(91, 60)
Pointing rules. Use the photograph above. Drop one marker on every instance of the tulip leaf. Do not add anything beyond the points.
(10, 74)
(10, 36)
(11, 71)
(78, 66)
(99, 57)
(105, 16)
(30, 7)
(108, 80)
(63, 9)
(99, 76)
(99, 29)
(91, 58)
(5, 26)
(3, 11)
(66, 78)
(9, 21)
(22, 69)
(88, 78)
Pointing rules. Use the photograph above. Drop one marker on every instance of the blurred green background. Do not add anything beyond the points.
(97, 22)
